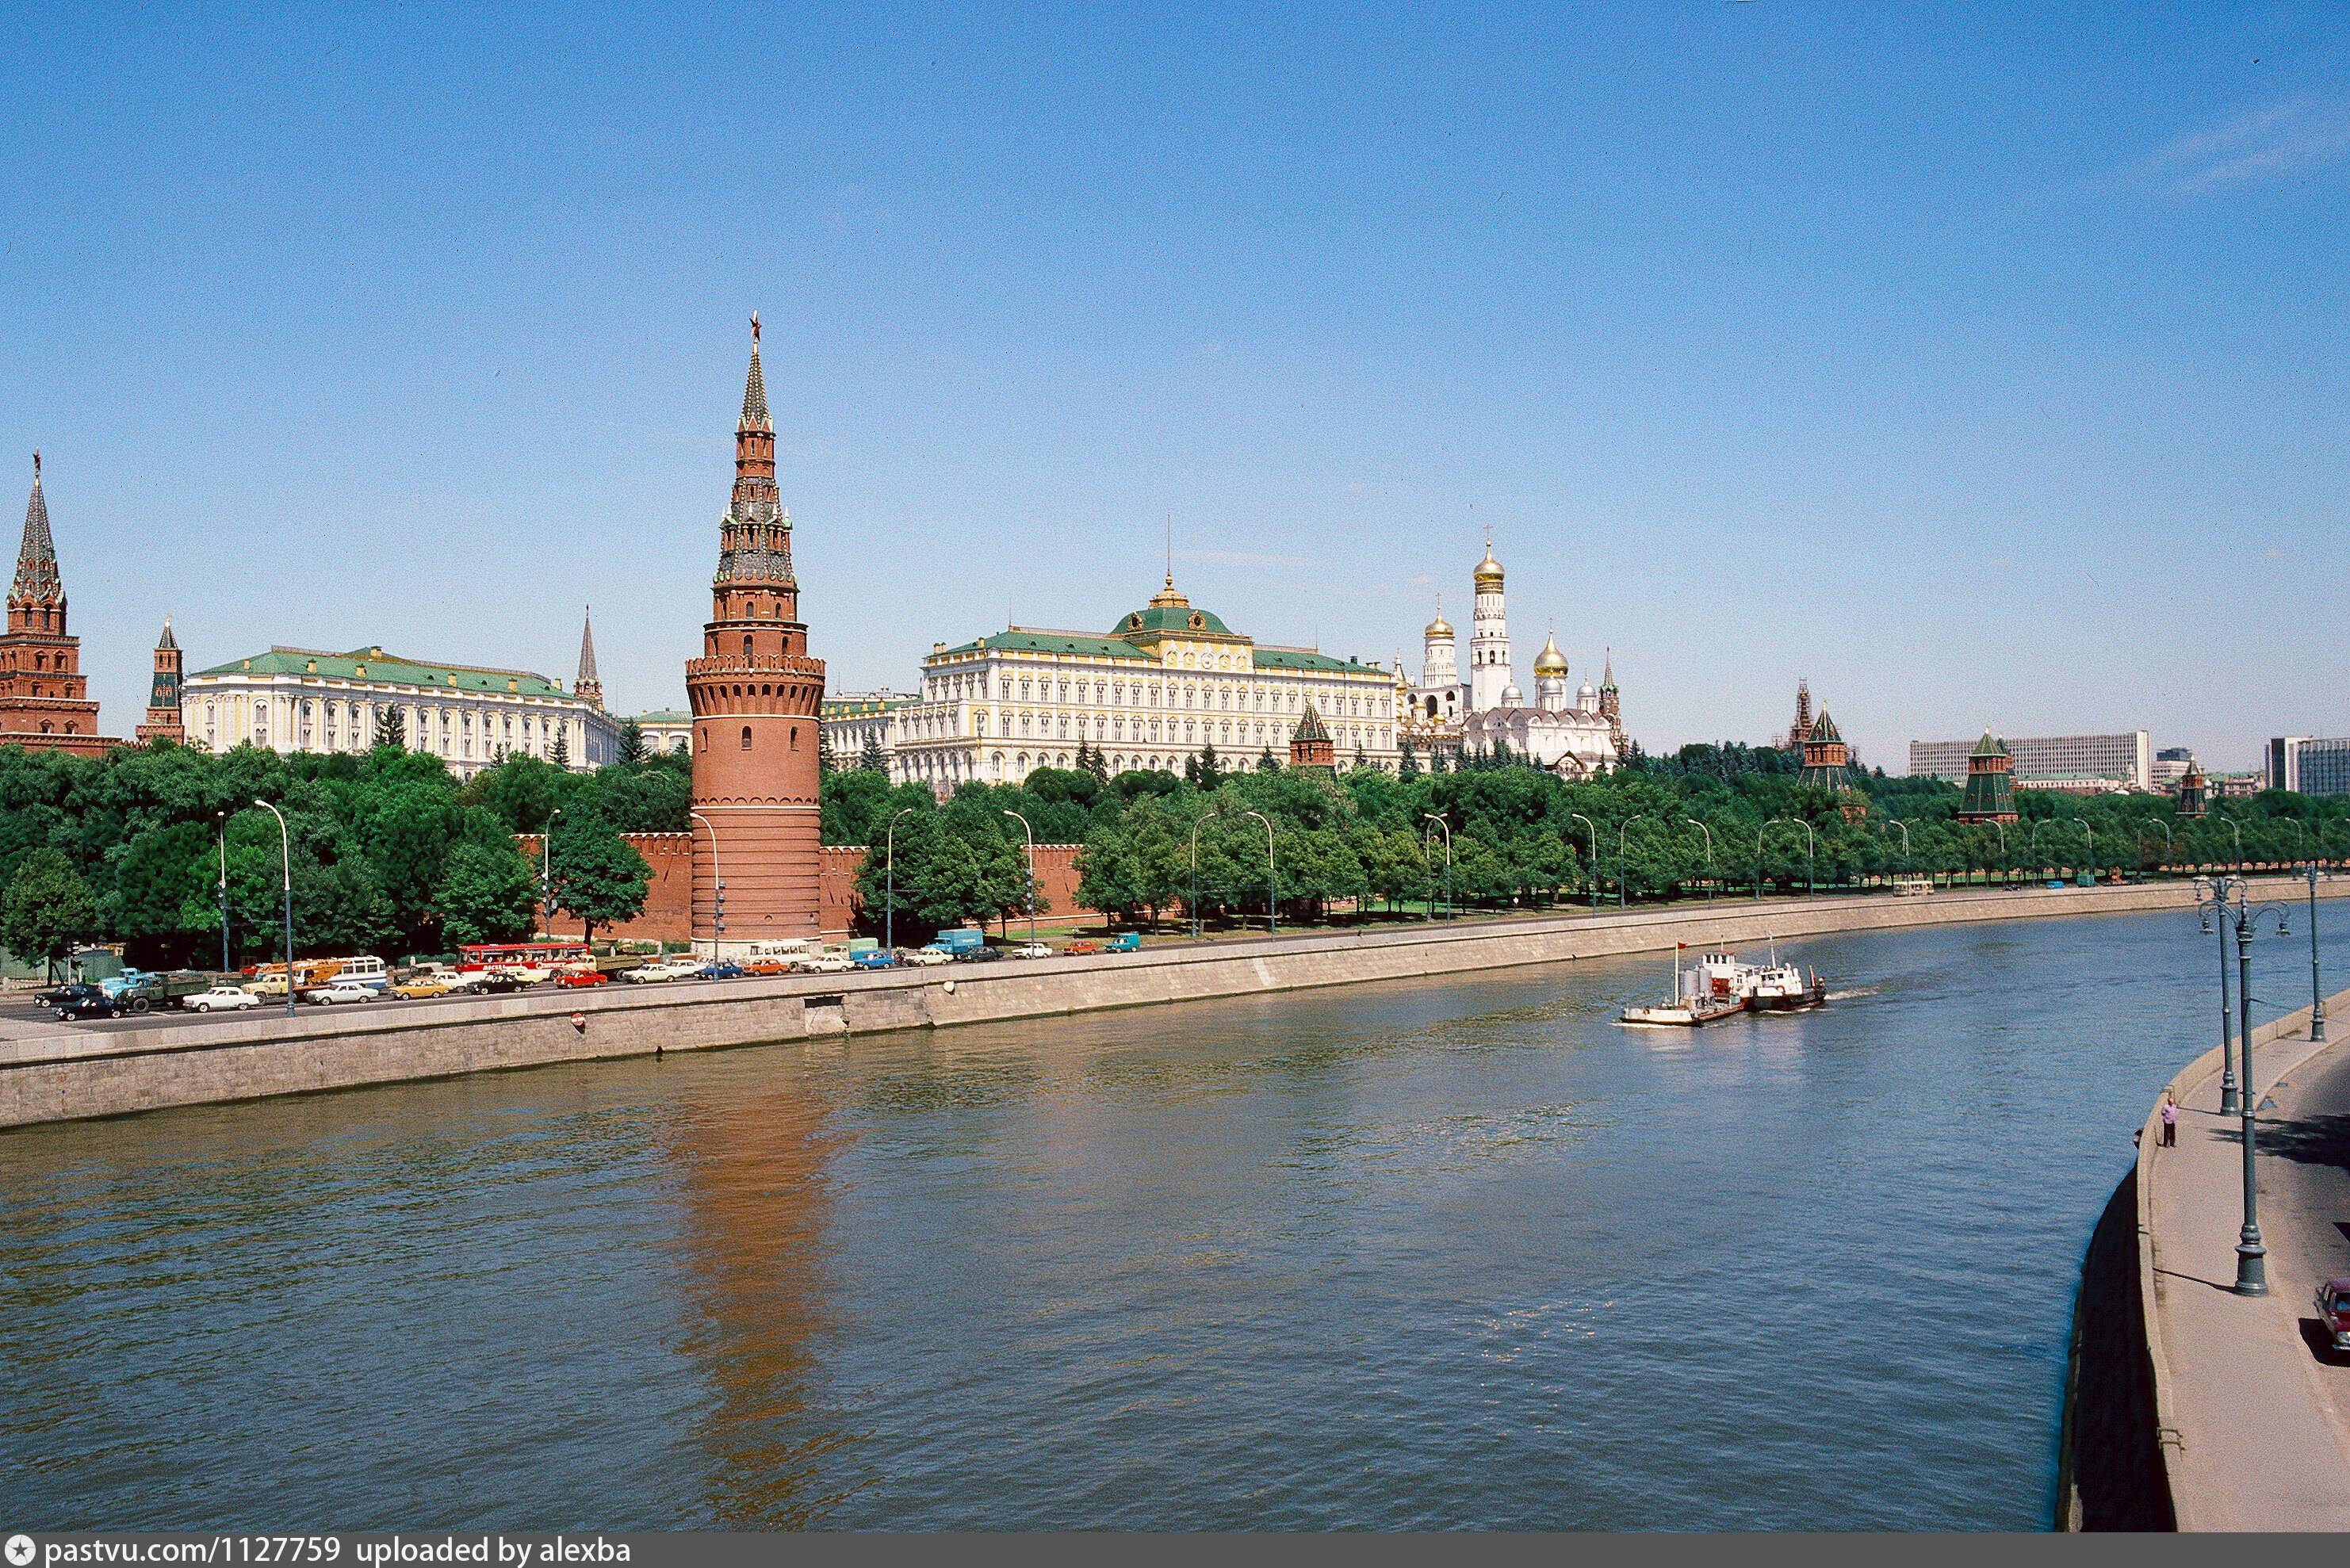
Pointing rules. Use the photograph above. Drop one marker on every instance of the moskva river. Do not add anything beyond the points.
(1404, 1255)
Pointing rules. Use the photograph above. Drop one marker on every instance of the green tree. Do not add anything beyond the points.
(599, 880)
(954, 867)
(391, 727)
(49, 907)
(826, 762)
(486, 894)
(871, 759)
(159, 877)
(561, 756)
(632, 741)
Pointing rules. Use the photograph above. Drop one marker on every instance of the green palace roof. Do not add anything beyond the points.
(850, 706)
(374, 665)
(1178, 619)
(661, 716)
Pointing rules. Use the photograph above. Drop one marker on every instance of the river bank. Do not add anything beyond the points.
(55, 1073)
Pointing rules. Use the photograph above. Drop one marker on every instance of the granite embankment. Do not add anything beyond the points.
(56, 1072)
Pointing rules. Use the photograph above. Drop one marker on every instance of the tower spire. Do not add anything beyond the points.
(754, 390)
(35, 581)
(586, 687)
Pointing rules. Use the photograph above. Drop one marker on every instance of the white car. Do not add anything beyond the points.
(341, 990)
(227, 997)
(654, 974)
(824, 963)
(925, 955)
(1032, 951)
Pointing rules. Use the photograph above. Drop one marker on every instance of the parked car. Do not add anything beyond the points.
(582, 977)
(1080, 948)
(1032, 951)
(341, 990)
(662, 970)
(979, 955)
(724, 968)
(422, 988)
(221, 998)
(76, 1002)
(267, 985)
(767, 966)
(874, 958)
(824, 963)
(925, 955)
(1123, 942)
(2334, 1312)
(499, 984)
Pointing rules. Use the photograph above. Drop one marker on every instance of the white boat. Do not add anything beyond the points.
(1718, 986)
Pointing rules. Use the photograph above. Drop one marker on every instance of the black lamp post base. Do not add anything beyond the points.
(2232, 1104)
(2251, 1269)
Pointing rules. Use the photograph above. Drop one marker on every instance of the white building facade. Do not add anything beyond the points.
(1168, 683)
(303, 700)
(1574, 733)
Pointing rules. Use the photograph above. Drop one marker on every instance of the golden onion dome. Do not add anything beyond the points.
(1440, 627)
(1550, 660)
(1489, 570)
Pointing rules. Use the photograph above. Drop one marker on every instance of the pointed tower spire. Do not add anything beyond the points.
(755, 390)
(586, 687)
(36, 559)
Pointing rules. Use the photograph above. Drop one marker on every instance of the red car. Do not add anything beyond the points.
(2334, 1312)
(582, 977)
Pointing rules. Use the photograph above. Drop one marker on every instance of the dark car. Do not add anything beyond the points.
(497, 984)
(979, 955)
(77, 1001)
(725, 969)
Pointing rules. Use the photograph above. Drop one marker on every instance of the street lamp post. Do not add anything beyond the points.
(1701, 827)
(1594, 834)
(1448, 859)
(2251, 1257)
(1032, 873)
(1271, 891)
(717, 892)
(2003, 870)
(546, 875)
(1904, 826)
(285, 857)
(2316, 990)
(223, 817)
(2170, 849)
(2212, 897)
(2093, 849)
(890, 882)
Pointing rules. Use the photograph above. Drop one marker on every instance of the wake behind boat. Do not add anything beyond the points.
(1718, 986)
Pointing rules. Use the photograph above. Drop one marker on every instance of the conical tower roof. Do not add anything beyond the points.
(1309, 727)
(36, 558)
(1988, 747)
(1824, 729)
(1607, 680)
(755, 390)
(587, 650)
(167, 639)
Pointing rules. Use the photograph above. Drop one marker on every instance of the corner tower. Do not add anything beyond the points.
(163, 722)
(754, 693)
(44, 697)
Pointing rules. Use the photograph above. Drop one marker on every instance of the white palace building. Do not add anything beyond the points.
(1165, 683)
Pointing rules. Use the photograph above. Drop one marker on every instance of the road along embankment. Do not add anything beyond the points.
(62, 1074)
(2129, 1410)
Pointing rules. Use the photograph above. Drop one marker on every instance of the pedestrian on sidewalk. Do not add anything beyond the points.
(2170, 1119)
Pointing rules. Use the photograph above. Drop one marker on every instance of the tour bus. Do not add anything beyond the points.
(786, 948)
(524, 961)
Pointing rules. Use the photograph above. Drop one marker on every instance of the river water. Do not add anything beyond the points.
(1459, 1254)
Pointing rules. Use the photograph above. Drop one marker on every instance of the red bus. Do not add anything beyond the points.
(532, 960)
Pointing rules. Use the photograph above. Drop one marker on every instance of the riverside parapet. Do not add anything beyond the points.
(62, 1073)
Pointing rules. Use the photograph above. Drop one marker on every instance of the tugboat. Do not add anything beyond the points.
(1714, 988)
(1718, 986)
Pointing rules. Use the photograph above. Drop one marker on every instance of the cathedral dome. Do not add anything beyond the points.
(1440, 627)
(1550, 660)
(1489, 570)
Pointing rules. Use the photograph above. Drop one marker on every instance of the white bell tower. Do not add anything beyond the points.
(1489, 639)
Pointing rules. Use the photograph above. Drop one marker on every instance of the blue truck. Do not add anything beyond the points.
(960, 941)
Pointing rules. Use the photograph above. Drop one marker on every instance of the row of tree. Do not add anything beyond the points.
(387, 851)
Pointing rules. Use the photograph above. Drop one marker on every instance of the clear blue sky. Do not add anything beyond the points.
(1984, 365)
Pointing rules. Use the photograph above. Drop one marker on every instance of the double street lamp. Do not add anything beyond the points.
(285, 857)
(1032, 873)
(1448, 857)
(2251, 1257)
(1701, 827)
(1272, 888)
(1594, 834)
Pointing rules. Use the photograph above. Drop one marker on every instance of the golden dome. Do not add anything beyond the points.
(1489, 570)
(1550, 660)
(1440, 627)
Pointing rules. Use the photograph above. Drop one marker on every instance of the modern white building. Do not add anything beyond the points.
(2123, 760)
(2309, 766)
(1167, 682)
(471, 716)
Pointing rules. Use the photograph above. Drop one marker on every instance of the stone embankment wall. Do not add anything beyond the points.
(62, 1073)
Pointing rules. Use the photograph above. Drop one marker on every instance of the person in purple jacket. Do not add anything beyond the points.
(2170, 1119)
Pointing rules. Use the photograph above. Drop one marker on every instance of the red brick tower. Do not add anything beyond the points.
(44, 697)
(163, 696)
(754, 692)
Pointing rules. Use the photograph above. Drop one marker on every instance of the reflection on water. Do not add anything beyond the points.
(1417, 1254)
(751, 1253)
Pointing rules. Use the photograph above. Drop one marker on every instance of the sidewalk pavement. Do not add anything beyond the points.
(2262, 1434)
